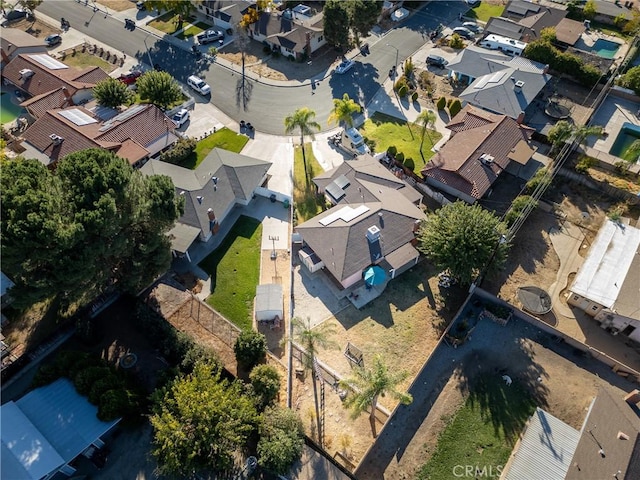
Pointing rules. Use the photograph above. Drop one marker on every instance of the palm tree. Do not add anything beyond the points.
(343, 110)
(302, 118)
(368, 384)
(427, 119)
(311, 339)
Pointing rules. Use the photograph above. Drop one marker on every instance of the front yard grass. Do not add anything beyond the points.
(168, 23)
(305, 199)
(234, 268)
(84, 59)
(483, 431)
(192, 31)
(406, 137)
(485, 11)
(223, 138)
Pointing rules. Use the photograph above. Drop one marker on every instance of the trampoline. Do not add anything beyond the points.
(534, 300)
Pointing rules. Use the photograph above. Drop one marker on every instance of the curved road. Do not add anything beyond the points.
(267, 104)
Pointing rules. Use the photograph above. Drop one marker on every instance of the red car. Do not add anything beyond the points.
(129, 78)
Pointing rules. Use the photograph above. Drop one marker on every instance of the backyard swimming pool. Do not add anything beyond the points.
(605, 48)
(9, 111)
(629, 133)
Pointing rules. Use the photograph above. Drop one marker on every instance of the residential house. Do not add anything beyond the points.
(224, 14)
(607, 284)
(525, 21)
(15, 42)
(39, 74)
(46, 430)
(608, 11)
(481, 147)
(223, 180)
(291, 33)
(608, 441)
(499, 83)
(373, 222)
(136, 134)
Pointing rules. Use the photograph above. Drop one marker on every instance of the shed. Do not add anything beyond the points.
(46, 429)
(269, 302)
(310, 260)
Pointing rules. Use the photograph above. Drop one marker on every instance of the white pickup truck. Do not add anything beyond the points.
(210, 36)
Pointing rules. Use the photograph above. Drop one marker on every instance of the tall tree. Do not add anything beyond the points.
(281, 439)
(631, 79)
(466, 239)
(336, 23)
(363, 15)
(200, 421)
(303, 119)
(368, 384)
(91, 223)
(343, 110)
(112, 93)
(159, 88)
(311, 339)
(426, 119)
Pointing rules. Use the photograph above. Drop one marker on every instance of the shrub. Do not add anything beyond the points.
(371, 143)
(541, 177)
(117, 403)
(441, 103)
(585, 163)
(265, 384)
(266, 49)
(403, 90)
(456, 42)
(102, 385)
(45, 375)
(408, 67)
(85, 379)
(250, 348)
(198, 353)
(281, 439)
(518, 205)
(392, 150)
(182, 149)
(622, 167)
(455, 107)
(424, 80)
(414, 97)
(401, 82)
(400, 157)
(409, 163)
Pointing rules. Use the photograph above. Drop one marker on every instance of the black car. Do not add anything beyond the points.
(53, 40)
(436, 61)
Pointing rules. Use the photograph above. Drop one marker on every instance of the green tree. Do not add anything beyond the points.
(336, 23)
(281, 439)
(265, 384)
(518, 205)
(426, 119)
(250, 348)
(158, 88)
(112, 93)
(548, 34)
(303, 119)
(310, 340)
(366, 385)
(363, 15)
(199, 421)
(631, 79)
(589, 10)
(30, 4)
(560, 133)
(92, 222)
(456, 41)
(463, 238)
(343, 110)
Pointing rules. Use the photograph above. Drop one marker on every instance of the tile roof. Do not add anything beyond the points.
(129, 134)
(40, 104)
(476, 132)
(46, 79)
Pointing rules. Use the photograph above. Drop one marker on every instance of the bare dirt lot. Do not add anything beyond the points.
(35, 27)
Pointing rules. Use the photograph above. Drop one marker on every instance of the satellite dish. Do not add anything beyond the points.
(585, 216)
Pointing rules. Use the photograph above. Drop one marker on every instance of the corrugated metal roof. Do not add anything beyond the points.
(605, 269)
(545, 450)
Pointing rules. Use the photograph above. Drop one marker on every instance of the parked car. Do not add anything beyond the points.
(198, 85)
(473, 26)
(436, 61)
(345, 66)
(464, 32)
(209, 36)
(53, 40)
(180, 117)
(130, 78)
(141, 6)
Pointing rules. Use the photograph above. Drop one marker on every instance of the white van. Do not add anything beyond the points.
(199, 85)
(354, 142)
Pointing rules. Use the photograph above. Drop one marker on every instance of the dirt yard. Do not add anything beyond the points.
(37, 28)
(118, 5)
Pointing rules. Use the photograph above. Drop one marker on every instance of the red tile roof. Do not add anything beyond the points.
(476, 132)
(40, 104)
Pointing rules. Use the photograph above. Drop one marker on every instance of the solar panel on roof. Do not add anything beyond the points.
(77, 116)
(335, 191)
(123, 116)
(342, 181)
(48, 62)
(523, 9)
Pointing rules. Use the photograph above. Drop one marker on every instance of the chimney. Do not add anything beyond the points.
(518, 86)
(211, 214)
(68, 99)
(520, 119)
(56, 139)
(545, 70)
(373, 234)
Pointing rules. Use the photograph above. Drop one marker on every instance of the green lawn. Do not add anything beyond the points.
(83, 60)
(483, 431)
(485, 11)
(193, 30)
(223, 138)
(387, 131)
(168, 23)
(235, 270)
(304, 193)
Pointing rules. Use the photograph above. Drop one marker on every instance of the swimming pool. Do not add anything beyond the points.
(9, 111)
(629, 133)
(605, 48)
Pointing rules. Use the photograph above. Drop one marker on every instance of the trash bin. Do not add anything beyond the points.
(285, 204)
(272, 197)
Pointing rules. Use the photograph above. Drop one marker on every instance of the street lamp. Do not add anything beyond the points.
(395, 65)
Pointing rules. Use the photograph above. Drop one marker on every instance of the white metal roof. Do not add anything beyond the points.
(269, 298)
(605, 269)
(545, 450)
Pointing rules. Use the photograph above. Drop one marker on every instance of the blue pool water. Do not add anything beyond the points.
(629, 133)
(605, 48)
